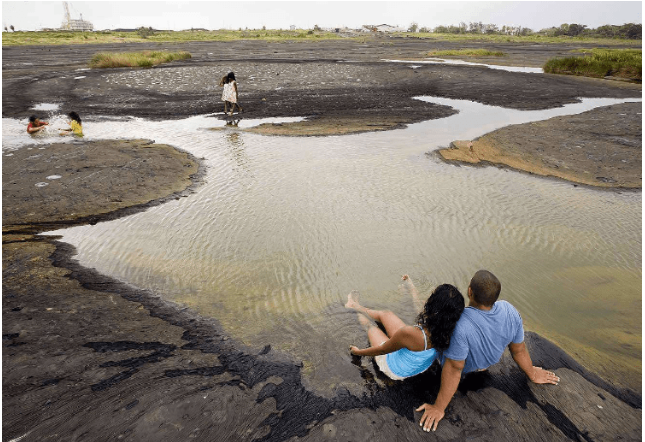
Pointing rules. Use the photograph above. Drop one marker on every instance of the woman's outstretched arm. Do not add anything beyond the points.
(399, 340)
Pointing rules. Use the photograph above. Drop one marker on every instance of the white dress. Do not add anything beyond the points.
(228, 94)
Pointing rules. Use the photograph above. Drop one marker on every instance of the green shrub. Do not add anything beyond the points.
(144, 32)
(599, 63)
(144, 59)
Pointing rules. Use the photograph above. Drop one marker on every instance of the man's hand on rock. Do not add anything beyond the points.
(541, 376)
(431, 416)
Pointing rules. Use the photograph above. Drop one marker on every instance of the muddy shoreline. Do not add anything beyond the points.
(86, 357)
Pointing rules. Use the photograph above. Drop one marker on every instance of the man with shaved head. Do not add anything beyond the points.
(486, 327)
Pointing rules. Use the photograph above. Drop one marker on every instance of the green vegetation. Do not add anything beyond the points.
(149, 35)
(143, 59)
(533, 38)
(630, 31)
(144, 32)
(604, 35)
(467, 53)
(599, 63)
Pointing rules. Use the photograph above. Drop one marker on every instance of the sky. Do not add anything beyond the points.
(178, 15)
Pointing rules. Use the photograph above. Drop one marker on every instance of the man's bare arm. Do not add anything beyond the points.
(450, 377)
(523, 360)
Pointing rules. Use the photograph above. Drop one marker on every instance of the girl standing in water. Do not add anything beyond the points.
(408, 350)
(230, 94)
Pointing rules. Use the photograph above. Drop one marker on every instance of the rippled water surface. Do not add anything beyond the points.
(284, 227)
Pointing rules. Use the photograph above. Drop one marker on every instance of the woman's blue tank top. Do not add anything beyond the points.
(406, 363)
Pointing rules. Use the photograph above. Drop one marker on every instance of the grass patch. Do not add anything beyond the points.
(467, 53)
(599, 63)
(143, 59)
(101, 37)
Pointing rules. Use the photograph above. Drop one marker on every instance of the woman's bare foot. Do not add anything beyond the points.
(352, 299)
(407, 288)
(407, 285)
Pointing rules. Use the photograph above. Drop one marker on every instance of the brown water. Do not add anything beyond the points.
(284, 228)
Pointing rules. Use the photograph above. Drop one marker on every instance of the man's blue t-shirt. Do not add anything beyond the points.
(480, 337)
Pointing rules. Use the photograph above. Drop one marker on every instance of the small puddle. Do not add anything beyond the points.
(46, 107)
(525, 70)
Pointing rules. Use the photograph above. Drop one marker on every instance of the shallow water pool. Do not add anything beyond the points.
(284, 227)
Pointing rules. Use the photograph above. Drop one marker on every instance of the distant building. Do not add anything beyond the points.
(77, 25)
(383, 28)
(292, 27)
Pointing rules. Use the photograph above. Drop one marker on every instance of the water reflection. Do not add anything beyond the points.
(236, 151)
(284, 228)
(232, 123)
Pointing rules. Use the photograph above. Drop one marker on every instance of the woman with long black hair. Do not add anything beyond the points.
(404, 350)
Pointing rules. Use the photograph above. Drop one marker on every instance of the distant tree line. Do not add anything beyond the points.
(630, 31)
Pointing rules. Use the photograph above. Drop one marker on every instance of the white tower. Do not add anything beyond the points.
(67, 24)
(71, 24)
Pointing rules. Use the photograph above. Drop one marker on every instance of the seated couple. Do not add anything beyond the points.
(463, 339)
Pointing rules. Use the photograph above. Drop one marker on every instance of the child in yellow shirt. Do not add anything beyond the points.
(75, 125)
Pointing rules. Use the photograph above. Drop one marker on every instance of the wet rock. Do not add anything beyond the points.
(607, 140)
(593, 413)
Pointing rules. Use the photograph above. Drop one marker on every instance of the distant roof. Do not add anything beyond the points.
(384, 27)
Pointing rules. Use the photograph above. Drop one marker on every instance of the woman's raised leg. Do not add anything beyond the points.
(374, 334)
(407, 288)
(390, 321)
